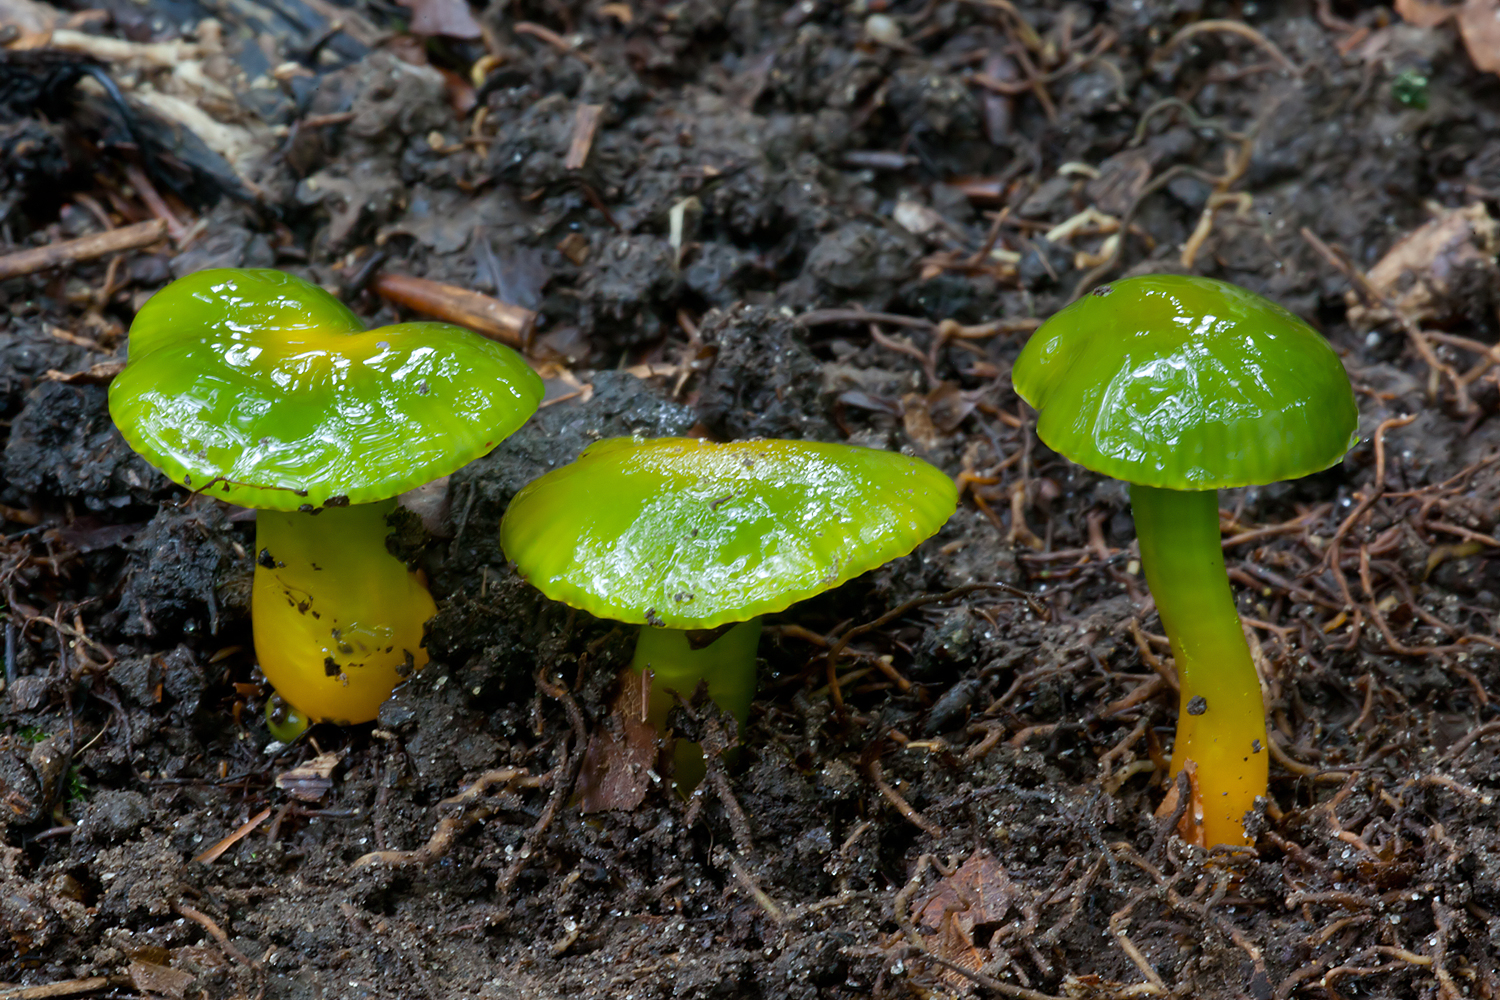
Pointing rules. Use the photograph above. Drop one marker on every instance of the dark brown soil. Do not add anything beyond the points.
(973, 814)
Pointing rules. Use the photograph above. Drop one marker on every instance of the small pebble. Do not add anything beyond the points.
(882, 28)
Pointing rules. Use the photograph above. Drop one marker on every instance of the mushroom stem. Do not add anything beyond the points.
(727, 664)
(338, 620)
(1221, 716)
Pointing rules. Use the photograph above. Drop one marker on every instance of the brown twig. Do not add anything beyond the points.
(552, 38)
(905, 808)
(216, 932)
(70, 988)
(495, 319)
(23, 262)
(211, 855)
(154, 201)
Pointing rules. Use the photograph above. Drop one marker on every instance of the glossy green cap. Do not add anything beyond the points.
(688, 534)
(265, 391)
(1187, 383)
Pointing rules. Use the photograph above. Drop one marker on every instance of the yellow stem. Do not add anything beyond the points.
(1221, 723)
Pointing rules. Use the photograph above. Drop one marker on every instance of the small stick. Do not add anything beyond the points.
(211, 855)
(821, 317)
(481, 313)
(877, 778)
(215, 931)
(154, 201)
(72, 987)
(23, 262)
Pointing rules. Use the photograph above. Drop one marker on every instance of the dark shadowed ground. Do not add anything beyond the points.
(970, 811)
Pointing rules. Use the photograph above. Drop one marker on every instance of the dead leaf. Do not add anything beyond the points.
(916, 420)
(311, 781)
(1431, 272)
(1190, 824)
(1479, 24)
(1424, 14)
(148, 977)
(441, 17)
(1121, 180)
(978, 892)
(616, 769)
(101, 374)
(950, 406)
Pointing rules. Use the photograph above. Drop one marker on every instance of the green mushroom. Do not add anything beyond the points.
(686, 538)
(262, 390)
(1182, 386)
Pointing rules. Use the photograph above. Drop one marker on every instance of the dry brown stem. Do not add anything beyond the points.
(23, 262)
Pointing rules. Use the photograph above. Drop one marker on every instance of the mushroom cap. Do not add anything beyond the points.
(263, 390)
(1187, 383)
(688, 534)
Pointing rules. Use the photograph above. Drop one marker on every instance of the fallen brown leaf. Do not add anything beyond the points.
(616, 769)
(1430, 271)
(148, 977)
(311, 781)
(978, 892)
(441, 17)
(1479, 24)
(1424, 14)
(1190, 824)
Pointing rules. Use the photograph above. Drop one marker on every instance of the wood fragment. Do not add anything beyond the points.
(211, 855)
(23, 262)
(481, 313)
(585, 126)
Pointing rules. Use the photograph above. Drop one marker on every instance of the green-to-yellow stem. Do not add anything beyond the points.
(727, 664)
(338, 619)
(1221, 724)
